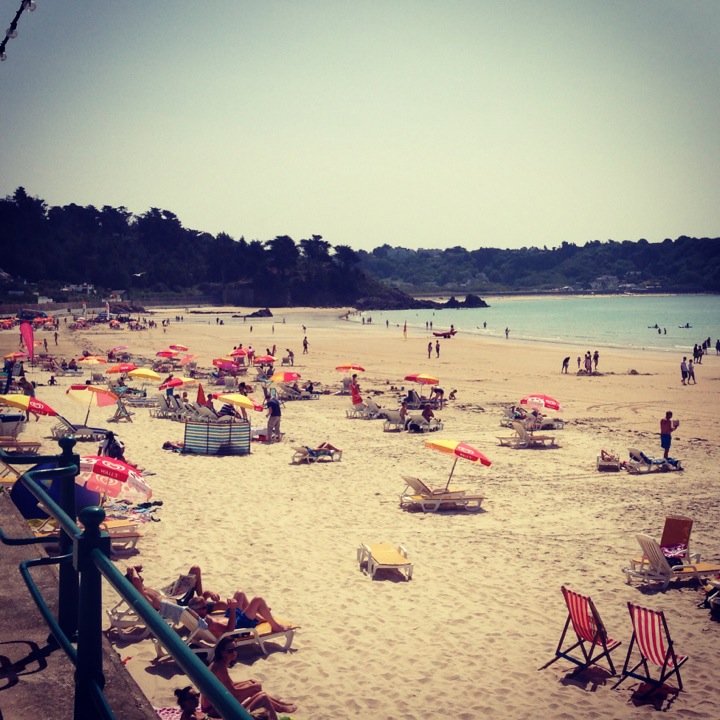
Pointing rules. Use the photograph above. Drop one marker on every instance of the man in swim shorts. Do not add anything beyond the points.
(667, 426)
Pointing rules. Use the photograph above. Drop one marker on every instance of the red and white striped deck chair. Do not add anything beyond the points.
(651, 634)
(592, 638)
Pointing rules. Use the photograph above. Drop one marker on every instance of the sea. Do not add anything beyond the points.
(669, 323)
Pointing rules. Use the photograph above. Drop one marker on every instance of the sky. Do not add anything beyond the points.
(420, 124)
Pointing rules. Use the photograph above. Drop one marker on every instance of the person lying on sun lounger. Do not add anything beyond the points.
(155, 597)
(240, 613)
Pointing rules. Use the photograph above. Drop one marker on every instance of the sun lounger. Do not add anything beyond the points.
(417, 423)
(124, 618)
(657, 569)
(13, 446)
(203, 642)
(674, 542)
(124, 534)
(525, 439)
(608, 462)
(640, 462)
(383, 556)
(64, 428)
(419, 495)
(393, 421)
(304, 453)
(357, 411)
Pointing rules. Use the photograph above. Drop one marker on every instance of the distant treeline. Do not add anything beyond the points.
(153, 254)
(682, 265)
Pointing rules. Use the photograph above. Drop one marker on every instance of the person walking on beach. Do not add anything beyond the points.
(596, 359)
(273, 424)
(305, 345)
(667, 427)
(429, 349)
(684, 370)
(691, 373)
(565, 365)
(507, 332)
(437, 348)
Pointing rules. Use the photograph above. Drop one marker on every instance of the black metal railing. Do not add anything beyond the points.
(83, 561)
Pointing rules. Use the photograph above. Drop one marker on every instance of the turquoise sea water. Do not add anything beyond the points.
(607, 321)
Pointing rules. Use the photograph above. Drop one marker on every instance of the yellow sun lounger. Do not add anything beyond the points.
(383, 556)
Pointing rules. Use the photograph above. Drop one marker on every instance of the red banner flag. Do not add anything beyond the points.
(28, 338)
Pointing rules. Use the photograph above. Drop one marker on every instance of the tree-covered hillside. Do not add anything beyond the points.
(682, 265)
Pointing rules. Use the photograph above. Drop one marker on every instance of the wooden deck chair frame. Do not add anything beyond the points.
(651, 636)
(592, 638)
(122, 414)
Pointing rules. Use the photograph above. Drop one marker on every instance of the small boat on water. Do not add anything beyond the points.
(686, 326)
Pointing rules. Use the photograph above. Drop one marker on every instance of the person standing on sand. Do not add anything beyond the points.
(429, 349)
(667, 427)
(437, 348)
(273, 423)
(684, 370)
(305, 345)
(691, 373)
(596, 359)
(507, 333)
(565, 365)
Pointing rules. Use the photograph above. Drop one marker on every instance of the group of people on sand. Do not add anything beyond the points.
(219, 617)
(586, 365)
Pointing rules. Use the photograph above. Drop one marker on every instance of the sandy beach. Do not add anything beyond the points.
(483, 611)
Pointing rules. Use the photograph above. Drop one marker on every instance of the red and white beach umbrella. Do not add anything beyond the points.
(166, 353)
(350, 367)
(264, 360)
(544, 401)
(240, 400)
(113, 478)
(177, 346)
(226, 364)
(92, 395)
(92, 360)
(285, 376)
(121, 368)
(422, 379)
(178, 382)
(27, 403)
(460, 450)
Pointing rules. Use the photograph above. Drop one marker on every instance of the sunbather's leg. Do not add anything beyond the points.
(242, 601)
(257, 609)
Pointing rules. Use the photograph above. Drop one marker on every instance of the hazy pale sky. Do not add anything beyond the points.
(424, 123)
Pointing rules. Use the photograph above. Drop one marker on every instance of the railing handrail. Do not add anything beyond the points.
(90, 554)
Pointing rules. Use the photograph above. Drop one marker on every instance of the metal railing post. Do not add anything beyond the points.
(89, 668)
(68, 581)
